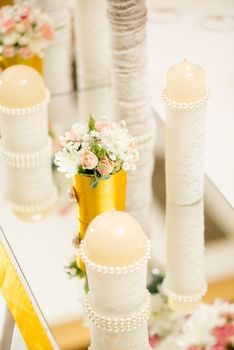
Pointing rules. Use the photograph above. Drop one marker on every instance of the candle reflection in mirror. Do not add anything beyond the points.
(25, 145)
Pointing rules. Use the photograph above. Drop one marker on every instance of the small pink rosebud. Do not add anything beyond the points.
(26, 53)
(105, 167)
(47, 32)
(89, 160)
(8, 25)
(9, 51)
(101, 124)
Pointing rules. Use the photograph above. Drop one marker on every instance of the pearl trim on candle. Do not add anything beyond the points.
(185, 298)
(26, 110)
(124, 324)
(34, 208)
(26, 160)
(111, 269)
(185, 105)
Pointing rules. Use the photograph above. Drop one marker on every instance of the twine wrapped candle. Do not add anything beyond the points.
(185, 98)
(115, 251)
(25, 145)
(131, 95)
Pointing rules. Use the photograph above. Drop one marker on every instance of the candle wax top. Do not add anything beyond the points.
(114, 239)
(185, 82)
(20, 87)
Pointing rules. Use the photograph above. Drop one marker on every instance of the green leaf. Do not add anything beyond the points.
(101, 153)
(86, 286)
(105, 177)
(94, 184)
(95, 148)
(91, 123)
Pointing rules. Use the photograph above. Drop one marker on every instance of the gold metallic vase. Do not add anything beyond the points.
(109, 194)
(35, 62)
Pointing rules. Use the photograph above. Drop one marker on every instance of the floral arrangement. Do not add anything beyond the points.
(210, 327)
(100, 149)
(24, 30)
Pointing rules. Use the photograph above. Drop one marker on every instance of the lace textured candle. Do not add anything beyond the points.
(91, 44)
(115, 251)
(131, 97)
(185, 98)
(25, 145)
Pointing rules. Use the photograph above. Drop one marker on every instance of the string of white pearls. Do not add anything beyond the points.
(185, 105)
(35, 208)
(123, 324)
(26, 160)
(185, 298)
(115, 270)
(26, 110)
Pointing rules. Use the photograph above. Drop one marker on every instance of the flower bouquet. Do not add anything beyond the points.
(97, 156)
(25, 33)
(210, 327)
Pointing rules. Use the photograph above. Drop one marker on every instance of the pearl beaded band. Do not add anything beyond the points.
(123, 324)
(35, 208)
(26, 160)
(185, 105)
(26, 110)
(185, 298)
(111, 269)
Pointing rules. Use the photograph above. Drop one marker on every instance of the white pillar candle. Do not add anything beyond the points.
(25, 145)
(91, 44)
(115, 251)
(185, 97)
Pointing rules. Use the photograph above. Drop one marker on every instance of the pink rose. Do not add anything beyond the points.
(224, 333)
(89, 160)
(47, 32)
(9, 24)
(154, 340)
(9, 51)
(105, 167)
(194, 347)
(26, 53)
(218, 347)
(101, 124)
(26, 12)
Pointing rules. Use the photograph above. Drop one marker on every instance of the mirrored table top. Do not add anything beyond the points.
(44, 248)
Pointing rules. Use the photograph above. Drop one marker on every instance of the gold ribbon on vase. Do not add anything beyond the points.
(35, 62)
(109, 194)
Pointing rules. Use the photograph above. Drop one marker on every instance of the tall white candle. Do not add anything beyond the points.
(115, 251)
(185, 97)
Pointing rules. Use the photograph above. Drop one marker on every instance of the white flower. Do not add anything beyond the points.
(23, 40)
(170, 343)
(164, 321)
(67, 162)
(10, 39)
(198, 328)
(20, 27)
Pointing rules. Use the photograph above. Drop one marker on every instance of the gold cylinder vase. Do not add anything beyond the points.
(109, 194)
(35, 62)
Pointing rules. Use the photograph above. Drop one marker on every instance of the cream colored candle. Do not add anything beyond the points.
(185, 98)
(20, 87)
(25, 144)
(185, 82)
(115, 239)
(115, 251)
